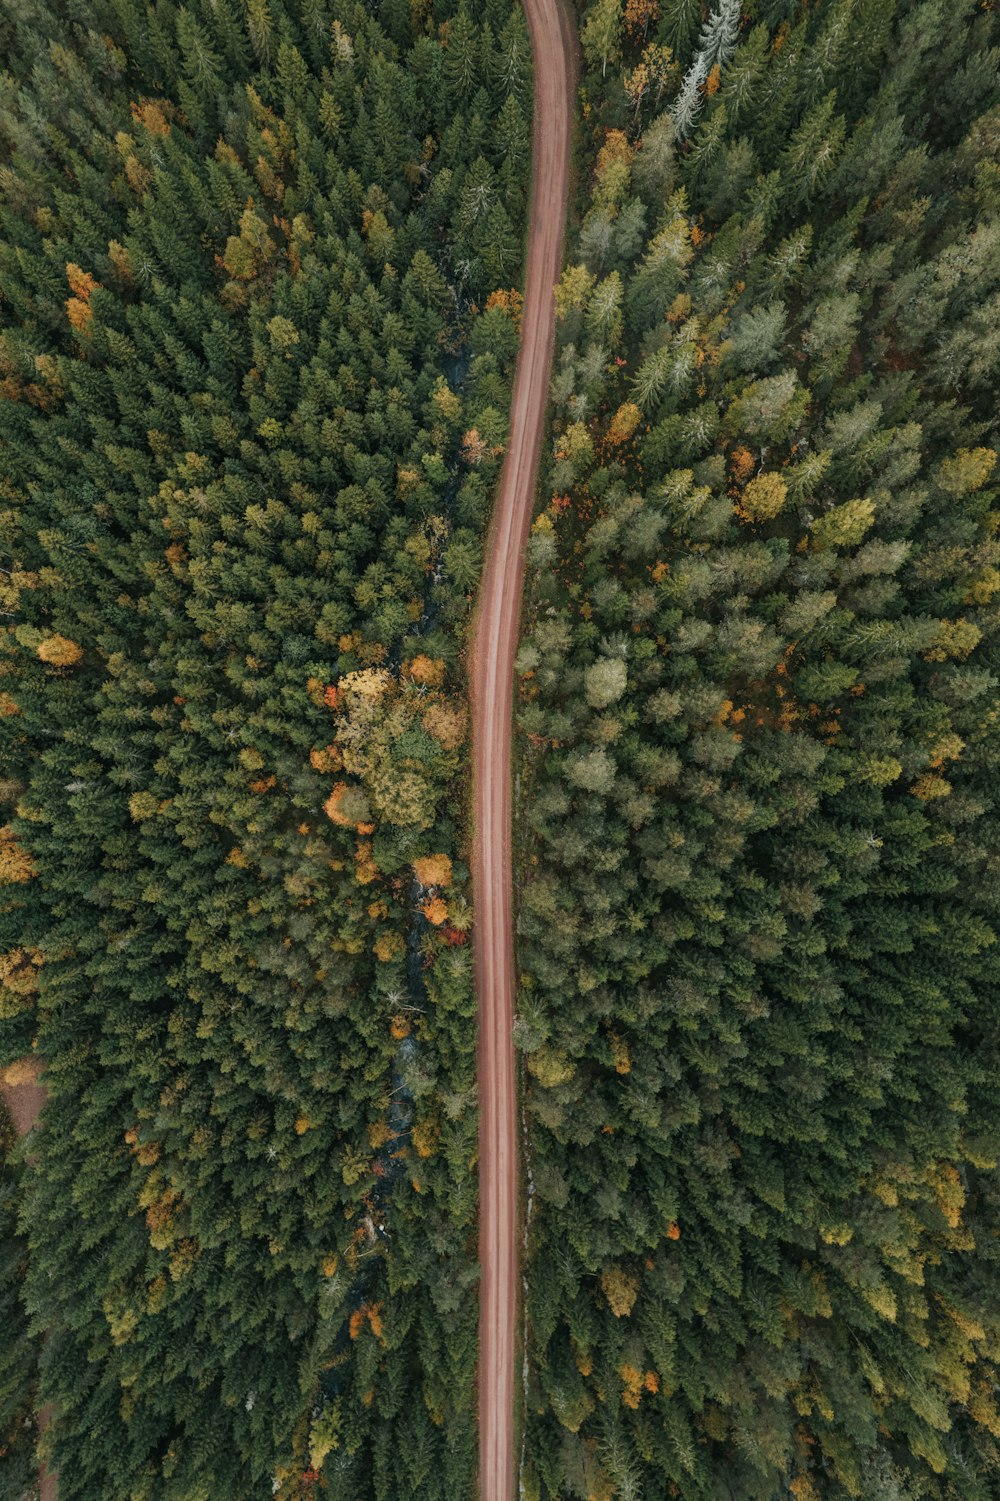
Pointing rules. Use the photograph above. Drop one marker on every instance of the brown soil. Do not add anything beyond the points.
(24, 1101)
(554, 46)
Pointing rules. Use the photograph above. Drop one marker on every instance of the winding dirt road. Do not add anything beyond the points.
(553, 42)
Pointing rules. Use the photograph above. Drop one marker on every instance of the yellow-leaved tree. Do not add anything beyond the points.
(399, 735)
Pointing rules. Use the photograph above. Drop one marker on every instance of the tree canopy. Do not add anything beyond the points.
(758, 706)
(259, 267)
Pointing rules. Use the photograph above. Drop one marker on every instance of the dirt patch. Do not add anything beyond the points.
(24, 1100)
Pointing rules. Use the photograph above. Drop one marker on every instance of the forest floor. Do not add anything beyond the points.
(24, 1102)
(553, 43)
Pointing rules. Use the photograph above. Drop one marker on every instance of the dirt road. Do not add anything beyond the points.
(24, 1102)
(553, 43)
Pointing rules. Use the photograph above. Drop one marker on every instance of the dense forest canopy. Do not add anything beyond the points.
(259, 307)
(759, 707)
(259, 267)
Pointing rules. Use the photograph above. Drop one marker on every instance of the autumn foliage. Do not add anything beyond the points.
(19, 969)
(81, 285)
(624, 423)
(24, 1072)
(621, 1290)
(433, 870)
(763, 498)
(16, 865)
(509, 301)
(59, 651)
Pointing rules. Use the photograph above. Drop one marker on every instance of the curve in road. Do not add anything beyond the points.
(553, 42)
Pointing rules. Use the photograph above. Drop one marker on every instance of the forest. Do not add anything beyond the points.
(758, 706)
(259, 311)
(260, 300)
(18, 1390)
